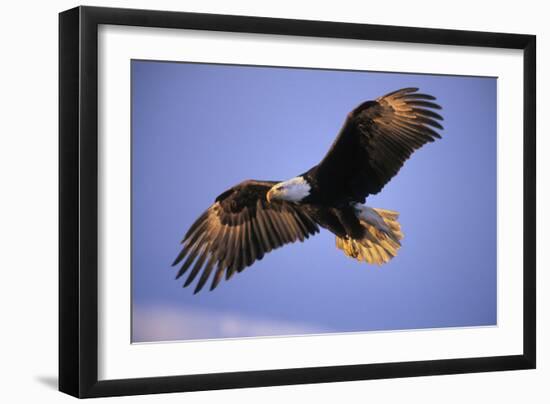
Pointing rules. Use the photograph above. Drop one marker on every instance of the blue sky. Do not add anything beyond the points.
(198, 129)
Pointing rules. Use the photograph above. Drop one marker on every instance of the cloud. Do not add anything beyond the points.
(169, 323)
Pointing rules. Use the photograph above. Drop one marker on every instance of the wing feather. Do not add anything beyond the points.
(280, 228)
(192, 254)
(198, 264)
(206, 273)
(218, 275)
(299, 222)
(275, 231)
(262, 230)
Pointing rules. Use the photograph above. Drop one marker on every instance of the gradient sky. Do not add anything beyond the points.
(199, 129)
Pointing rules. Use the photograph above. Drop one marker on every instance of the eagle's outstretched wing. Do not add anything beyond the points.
(238, 229)
(374, 142)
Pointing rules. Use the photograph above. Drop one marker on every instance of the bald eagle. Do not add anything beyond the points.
(255, 217)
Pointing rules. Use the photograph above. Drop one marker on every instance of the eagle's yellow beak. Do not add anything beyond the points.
(269, 195)
(274, 193)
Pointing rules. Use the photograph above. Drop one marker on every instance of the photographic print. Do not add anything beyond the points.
(248, 201)
(274, 201)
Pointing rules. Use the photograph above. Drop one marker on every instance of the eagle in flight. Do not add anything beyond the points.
(255, 217)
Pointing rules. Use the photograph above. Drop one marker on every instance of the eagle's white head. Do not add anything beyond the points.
(293, 190)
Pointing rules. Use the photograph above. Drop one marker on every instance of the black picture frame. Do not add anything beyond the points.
(78, 201)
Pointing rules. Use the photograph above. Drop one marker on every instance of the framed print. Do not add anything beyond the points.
(251, 201)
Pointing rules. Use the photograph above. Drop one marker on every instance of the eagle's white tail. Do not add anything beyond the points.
(381, 240)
